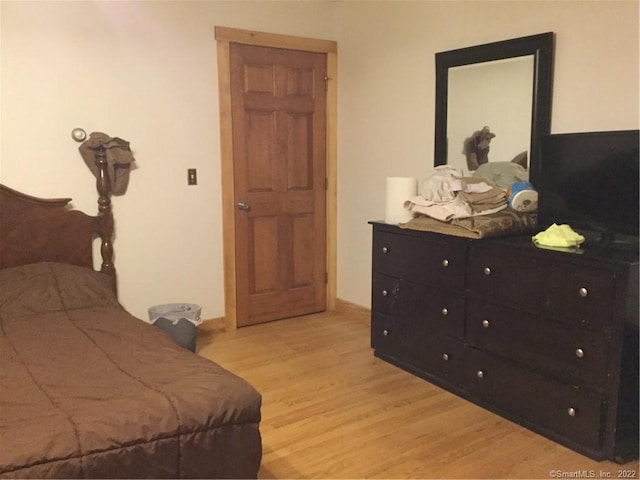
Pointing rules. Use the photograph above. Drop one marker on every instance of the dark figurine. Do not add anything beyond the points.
(476, 148)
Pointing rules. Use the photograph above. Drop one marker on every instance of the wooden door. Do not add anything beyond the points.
(278, 103)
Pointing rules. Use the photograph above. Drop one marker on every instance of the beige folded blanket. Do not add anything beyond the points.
(480, 202)
(503, 223)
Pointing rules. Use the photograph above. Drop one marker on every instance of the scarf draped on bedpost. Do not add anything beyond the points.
(119, 159)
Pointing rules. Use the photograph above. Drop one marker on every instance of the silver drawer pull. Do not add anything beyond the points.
(583, 292)
(384, 293)
(385, 332)
(579, 353)
(485, 323)
(571, 412)
(480, 374)
(445, 356)
(385, 250)
(445, 263)
(445, 311)
(486, 271)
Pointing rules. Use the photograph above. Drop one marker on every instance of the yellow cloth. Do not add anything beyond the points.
(558, 236)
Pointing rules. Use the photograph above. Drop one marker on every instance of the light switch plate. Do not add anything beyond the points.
(192, 176)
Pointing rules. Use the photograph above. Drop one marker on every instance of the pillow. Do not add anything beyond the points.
(53, 287)
(502, 174)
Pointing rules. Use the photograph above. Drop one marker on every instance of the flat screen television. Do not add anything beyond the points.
(590, 182)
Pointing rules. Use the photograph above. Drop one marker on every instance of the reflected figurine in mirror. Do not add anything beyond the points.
(476, 148)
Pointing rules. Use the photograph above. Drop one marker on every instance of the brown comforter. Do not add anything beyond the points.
(88, 390)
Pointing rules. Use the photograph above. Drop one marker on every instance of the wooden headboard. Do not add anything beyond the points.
(48, 230)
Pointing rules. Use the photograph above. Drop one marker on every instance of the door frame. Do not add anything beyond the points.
(224, 37)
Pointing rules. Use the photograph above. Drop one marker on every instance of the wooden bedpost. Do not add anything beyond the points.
(105, 215)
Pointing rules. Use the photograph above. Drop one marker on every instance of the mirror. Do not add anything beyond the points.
(493, 102)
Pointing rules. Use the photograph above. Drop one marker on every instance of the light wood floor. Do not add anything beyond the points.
(333, 410)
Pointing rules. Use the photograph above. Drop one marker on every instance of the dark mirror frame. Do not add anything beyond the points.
(540, 46)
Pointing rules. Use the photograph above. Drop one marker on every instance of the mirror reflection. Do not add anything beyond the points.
(489, 113)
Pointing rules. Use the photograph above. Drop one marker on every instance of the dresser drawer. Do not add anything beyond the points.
(441, 357)
(571, 412)
(570, 353)
(431, 311)
(415, 258)
(445, 359)
(395, 338)
(568, 292)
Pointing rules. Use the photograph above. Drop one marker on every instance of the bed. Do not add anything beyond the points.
(88, 390)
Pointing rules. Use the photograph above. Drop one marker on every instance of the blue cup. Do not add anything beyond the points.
(523, 197)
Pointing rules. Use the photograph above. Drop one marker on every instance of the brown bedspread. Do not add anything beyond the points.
(89, 391)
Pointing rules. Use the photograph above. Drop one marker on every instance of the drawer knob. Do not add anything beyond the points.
(486, 271)
(583, 292)
(480, 374)
(445, 311)
(385, 250)
(579, 353)
(384, 293)
(445, 263)
(571, 412)
(385, 332)
(485, 323)
(445, 356)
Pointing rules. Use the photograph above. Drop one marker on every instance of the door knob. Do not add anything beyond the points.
(242, 206)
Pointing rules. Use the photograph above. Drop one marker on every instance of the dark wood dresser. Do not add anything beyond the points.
(545, 338)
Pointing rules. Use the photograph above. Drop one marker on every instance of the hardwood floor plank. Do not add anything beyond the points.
(333, 410)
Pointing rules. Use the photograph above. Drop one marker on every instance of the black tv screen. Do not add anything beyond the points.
(590, 182)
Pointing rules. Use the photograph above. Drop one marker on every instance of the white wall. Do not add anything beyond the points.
(387, 89)
(146, 71)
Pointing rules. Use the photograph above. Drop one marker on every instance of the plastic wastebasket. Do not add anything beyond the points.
(179, 321)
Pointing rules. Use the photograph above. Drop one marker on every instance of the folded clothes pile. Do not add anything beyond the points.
(446, 195)
(481, 197)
